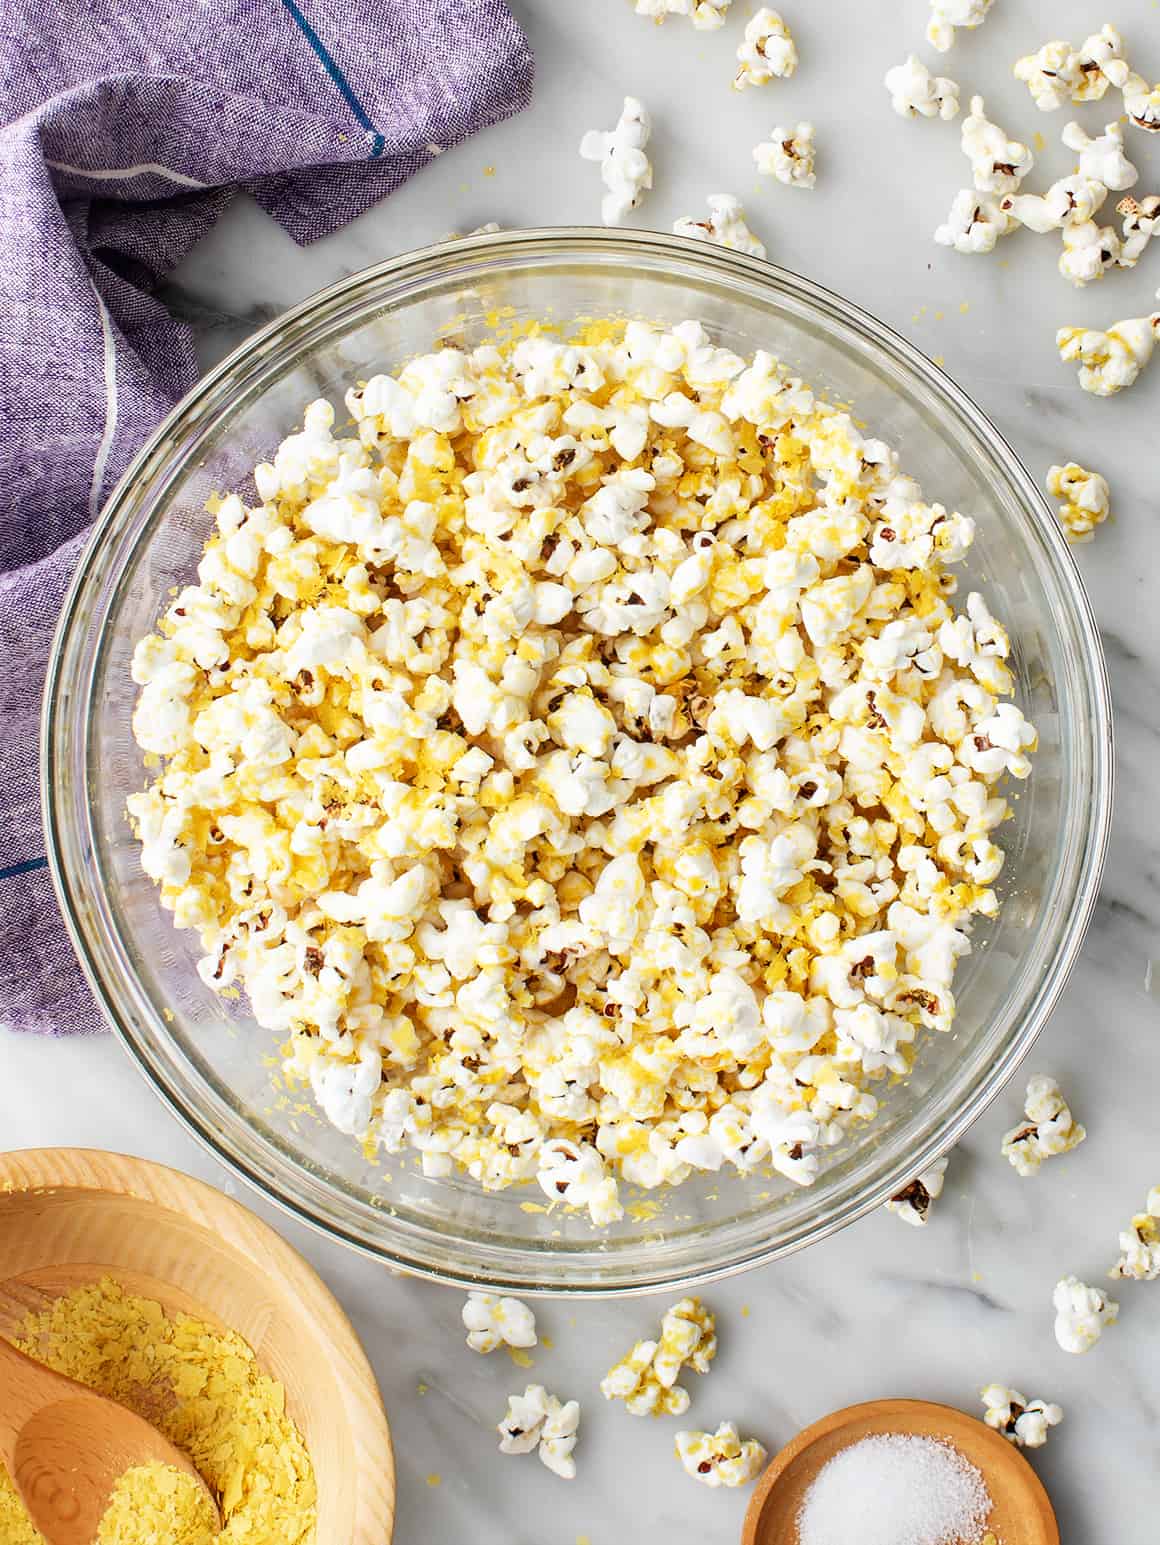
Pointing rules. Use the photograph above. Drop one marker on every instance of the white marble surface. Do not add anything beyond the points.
(880, 1309)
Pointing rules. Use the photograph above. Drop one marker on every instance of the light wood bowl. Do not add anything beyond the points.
(1021, 1513)
(71, 1215)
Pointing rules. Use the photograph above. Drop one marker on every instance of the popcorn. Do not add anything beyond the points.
(646, 1378)
(1113, 360)
(537, 1420)
(975, 223)
(1049, 1129)
(529, 809)
(1023, 1422)
(1141, 101)
(766, 50)
(1140, 1244)
(1070, 201)
(914, 1202)
(725, 226)
(1141, 222)
(720, 1458)
(706, 15)
(998, 164)
(788, 156)
(948, 15)
(1089, 250)
(1081, 1312)
(914, 91)
(492, 1322)
(1086, 500)
(1058, 73)
(624, 168)
(1102, 159)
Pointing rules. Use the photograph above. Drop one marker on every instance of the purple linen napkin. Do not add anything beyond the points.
(129, 124)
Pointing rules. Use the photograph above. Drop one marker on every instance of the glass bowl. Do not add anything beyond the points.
(213, 1064)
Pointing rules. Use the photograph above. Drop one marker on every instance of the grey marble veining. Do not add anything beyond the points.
(879, 1309)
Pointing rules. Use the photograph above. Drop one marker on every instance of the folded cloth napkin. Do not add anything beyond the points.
(129, 126)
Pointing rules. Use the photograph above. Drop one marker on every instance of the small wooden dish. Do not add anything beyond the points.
(69, 1216)
(1021, 1515)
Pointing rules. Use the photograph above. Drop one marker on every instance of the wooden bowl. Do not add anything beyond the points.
(1021, 1513)
(71, 1215)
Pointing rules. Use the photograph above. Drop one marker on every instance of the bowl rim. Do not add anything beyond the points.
(62, 1171)
(582, 242)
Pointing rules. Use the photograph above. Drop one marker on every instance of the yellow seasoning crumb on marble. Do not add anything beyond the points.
(546, 1341)
(744, 1311)
(422, 1389)
(202, 1388)
(434, 1479)
(938, 359)
(583, 1539)
(489, 171)
(939, 315)
(156, 1504)
(964, 306)
(520, 1357)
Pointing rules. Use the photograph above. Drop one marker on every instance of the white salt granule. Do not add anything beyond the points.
(895, 1490)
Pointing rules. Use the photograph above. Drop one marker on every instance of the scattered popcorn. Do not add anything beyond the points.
(1141, 101)
(1070, 201)
(1140, 1244)
(1089, 250)
(624, 168)
(788, 156)
(1085, 496)
(1102, 159)
(580, 764)
(767, 50)
(1113, 360)
(537, 1420)
(1141, 219)
(975, 223)
(998, 164)
(1059, 73)
(720, 1458)
(646, 1379)
(914, 91)
(1048, 1131)
(946, 16)
(1081, 1312)
(492, 1322)
(725, 226)
(706, 15)
(914, 1202)
(1023, 1422)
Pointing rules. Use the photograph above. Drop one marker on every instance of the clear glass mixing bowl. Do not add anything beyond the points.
(209, 1060)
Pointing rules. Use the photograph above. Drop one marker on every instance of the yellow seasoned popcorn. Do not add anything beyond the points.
(646, 1378)
(580, 763)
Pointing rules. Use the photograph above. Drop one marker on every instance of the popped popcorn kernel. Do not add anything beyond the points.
(625, 170)
(946, 16)
(998, 163)
(1110, 361)
(1081, 1312)
(1058, 73)
(706, 15)
(915, 92)
(1085, 499)
(726, 226)
(788, 155)
(915, 1202)
(1102, 158)
(1024, 1423)
(1048, 1131)
(537, 1420)
(493, 1322)
(975, 223)
(1140, 1244)
(646, 1377)
(720, 1458)
(766, 50)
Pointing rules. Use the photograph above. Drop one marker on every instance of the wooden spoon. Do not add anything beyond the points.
(66, 1447)
(1021, 1512)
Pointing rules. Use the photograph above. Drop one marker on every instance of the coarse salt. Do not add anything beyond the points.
(895, 1490)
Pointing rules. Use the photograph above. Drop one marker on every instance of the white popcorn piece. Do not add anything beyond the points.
(1070, 201)
(1141, 101)
(706, 15)
(725, 226)
(1081, 1312)
(1140, 1244)
(915, 92)
(1049, 1129)
(720, 1458)
(537, 1420)
(493, 1322)
(946, 16)
(624, 168)
(915, 1201)
(1023, 1422)
(1141, 219)
(766, 50)
(1085, 499)
(1102, 159)
(1089, 250)
(1110, 361)
(998, 163)
(1059, 73)
(788, 155)
(975, 223)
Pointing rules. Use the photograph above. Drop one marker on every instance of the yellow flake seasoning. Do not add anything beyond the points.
(204, 1390)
